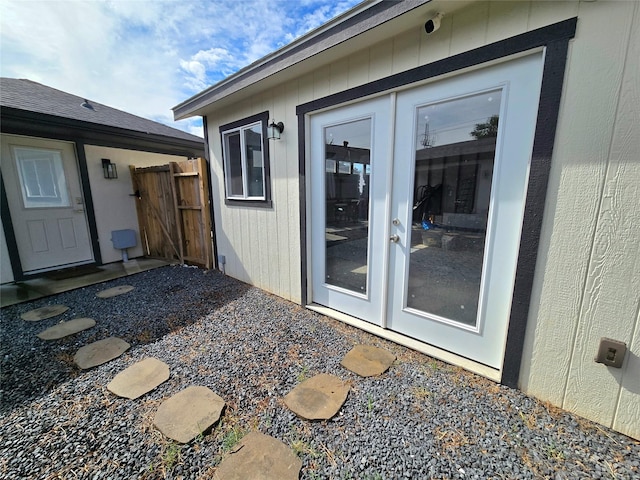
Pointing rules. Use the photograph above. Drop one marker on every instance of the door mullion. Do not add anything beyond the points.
(386, 270)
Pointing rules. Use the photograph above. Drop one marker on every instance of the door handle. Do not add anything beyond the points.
(394, 238)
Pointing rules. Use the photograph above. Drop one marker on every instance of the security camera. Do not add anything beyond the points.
(433, 23)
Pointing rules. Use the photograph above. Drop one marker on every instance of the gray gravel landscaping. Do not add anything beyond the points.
(421, 419)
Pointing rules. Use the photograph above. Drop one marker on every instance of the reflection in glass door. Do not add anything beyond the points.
(349, 164)
(461, 161)
(347, 173)
(454, 159)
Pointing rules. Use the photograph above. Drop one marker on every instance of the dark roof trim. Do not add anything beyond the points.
(325, 37)
(23, 122)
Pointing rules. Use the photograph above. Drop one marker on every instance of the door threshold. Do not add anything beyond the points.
(412, 343)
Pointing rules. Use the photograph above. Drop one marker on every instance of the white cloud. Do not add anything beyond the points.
(142, 56)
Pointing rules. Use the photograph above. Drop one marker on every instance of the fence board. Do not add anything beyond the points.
(173, 211)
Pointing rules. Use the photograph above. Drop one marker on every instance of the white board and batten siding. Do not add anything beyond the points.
(587, 282)
(261, 246)
(587, 279)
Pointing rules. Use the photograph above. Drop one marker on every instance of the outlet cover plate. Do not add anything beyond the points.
(611, 352)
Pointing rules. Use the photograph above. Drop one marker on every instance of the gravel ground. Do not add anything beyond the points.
(421, 419)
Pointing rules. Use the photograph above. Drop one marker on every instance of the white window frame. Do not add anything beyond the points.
(244, 161)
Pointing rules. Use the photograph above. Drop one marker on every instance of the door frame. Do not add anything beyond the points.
(553, 40)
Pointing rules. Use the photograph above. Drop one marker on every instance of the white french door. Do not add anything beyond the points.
(434, 258)
(350, 148)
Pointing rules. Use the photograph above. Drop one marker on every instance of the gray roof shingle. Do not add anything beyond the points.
(34, 97)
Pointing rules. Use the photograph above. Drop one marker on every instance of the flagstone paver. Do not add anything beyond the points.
(43, 313)
(260, 457)
(115, 291)
(318, 398)
(64, 329)
(100, 352)
(367, 360)
(139, 378)
(188, 413)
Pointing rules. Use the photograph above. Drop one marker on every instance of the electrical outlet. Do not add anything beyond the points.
(611, 352)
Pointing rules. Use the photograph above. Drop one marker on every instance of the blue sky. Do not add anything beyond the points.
(145, 57)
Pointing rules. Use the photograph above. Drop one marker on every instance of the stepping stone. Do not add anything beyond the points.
(188, 413)
(43, 313)
(64, 329)
(367, 361)
(100, 352)
(318, 398)
(115, 291)
(260, 457)
(139, 378)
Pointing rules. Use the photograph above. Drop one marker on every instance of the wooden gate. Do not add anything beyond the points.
(173, 211)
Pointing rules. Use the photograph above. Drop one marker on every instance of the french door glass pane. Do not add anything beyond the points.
(347, 176)
(454, 159)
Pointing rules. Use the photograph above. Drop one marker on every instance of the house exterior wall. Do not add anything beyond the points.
(6, 273)
(114, 208)
(587, 276)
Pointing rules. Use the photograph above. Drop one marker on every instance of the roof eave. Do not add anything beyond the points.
(363, 17)
(19, 121)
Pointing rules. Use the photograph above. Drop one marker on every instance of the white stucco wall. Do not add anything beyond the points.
(587, 279)
(114, 208)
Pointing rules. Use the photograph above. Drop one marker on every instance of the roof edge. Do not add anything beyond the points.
(361, 18)
(24, 122)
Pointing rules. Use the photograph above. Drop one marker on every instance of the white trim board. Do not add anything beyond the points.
(465, 363)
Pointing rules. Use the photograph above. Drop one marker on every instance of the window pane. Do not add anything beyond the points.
(234, 164)
(254, 165)
(42, 179)
(454, 160)
(347, 179)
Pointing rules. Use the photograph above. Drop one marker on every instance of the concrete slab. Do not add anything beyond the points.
(260, 457)
(139, 378)
(43, 313)
(367, 360)
(115, 291)
(12, 293)
(100, 352)
(188, 413)
(318, 398)
(65, 329)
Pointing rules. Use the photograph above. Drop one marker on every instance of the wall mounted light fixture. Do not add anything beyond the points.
(109, 169)
(274, 130)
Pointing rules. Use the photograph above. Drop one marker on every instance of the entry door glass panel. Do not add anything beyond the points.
(42, 179)
(453, 159)
(347, 174)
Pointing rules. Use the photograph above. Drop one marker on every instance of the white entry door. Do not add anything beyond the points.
(46, 203)
(444, 221)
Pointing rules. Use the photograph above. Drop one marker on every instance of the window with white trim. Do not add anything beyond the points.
(246, 159)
